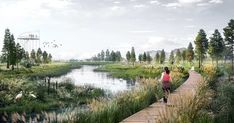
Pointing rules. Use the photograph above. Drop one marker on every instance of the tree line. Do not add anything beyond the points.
(13, 53)
(216, 46)
(108, 56)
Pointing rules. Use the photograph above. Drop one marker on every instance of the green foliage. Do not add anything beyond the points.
(124, 104)
(157, 58)
(223, 104)
(178, 56)
(216, 46)
(201, 46)
(130, 72)
(190, 53)
(229, 39)
(140, 58)
(9, 50)
(39, 56)
(66, 94)
(128, 56)
(162, 56)
(113, 56)
(183, 55)
(133, 56)
(144, 57)
(171, 58)
(148, 58)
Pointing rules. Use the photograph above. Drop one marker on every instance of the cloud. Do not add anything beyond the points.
(188, 19)
(32, 8)
(116, 2)
(216, 1)
(172, 5)
(158, 43)
(203, 4)
(190, 26)
(139, 6)
(155, 2)
(189, 1)
(141, 31)
(170, 19)
(114, 8)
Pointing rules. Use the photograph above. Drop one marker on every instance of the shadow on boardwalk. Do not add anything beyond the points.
(151, 113)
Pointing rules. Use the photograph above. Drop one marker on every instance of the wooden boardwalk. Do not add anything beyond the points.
(151, 113)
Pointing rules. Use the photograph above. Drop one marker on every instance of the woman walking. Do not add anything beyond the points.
(166, 83)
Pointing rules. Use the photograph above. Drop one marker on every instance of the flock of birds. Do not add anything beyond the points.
(52, 44)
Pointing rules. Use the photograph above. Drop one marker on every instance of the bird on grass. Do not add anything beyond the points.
(19, 96)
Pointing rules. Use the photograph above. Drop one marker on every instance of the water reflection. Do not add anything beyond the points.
(86, 76)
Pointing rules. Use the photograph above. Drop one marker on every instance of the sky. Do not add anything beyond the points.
(85, 27)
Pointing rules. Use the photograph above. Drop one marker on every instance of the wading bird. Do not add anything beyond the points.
(19, 96)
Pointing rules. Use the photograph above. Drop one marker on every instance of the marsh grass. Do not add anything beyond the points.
(188, 107)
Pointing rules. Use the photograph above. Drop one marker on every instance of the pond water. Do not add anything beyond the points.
(87, 76)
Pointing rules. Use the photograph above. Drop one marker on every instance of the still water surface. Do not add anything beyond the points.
(86, 76)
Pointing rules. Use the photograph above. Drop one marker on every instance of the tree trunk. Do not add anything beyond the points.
(49, 86)
(8, 65)
(232, 63)
(12, 67)
(199, 62)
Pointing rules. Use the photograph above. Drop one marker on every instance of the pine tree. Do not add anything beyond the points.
(102, 55)
(190, 53)
(118, 56)
(216, 46)
(140, 58)
(50, 58)
(229, 39)
(26, 56)
(144, 57)
(45, 57)
(128, 56)
(33, 55)
(107, 55)
(201, 46)
(178, 56)
(19, 54)
(183, 55)
(133, 56)
(6, 47)
(157, 58)
(172, 58)
(112, 56)
(148, 58)
(12, 52)
(162, 56)
(39, 55)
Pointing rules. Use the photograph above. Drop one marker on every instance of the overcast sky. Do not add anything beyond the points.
(85, 27)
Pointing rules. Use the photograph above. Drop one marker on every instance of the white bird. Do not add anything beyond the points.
(32, 95)
(18, 96)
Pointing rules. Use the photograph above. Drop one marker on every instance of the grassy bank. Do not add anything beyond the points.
(131, 72)
(44, 70)
(65, 95)
(54, 69)
(125, 104)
